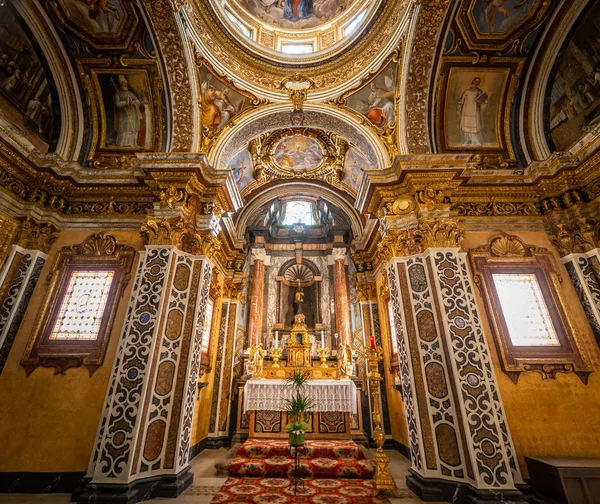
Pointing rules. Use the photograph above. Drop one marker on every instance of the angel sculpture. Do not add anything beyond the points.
(257, 355)
(344, 360)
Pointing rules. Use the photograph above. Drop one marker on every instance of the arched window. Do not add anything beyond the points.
(298, 212)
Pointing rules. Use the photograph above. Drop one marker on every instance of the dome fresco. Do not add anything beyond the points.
(296, 14)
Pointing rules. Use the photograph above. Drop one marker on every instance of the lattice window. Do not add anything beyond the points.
(79, 309)
(525, 310)
(83, 305)
(526, 305)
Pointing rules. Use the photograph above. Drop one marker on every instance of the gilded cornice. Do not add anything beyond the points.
(325, 74)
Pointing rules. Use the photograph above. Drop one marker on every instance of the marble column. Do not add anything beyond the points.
(458, 433)
(17, 281)
(143, 440)
(255, 316)
(342, 305)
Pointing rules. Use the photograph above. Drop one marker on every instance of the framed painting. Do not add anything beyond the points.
(474, 105)
(126, 108)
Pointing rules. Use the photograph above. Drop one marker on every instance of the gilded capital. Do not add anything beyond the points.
(37, 236)
(176, 232)
(437, 233)
(366, 291)
(398, 243)
(580, 237)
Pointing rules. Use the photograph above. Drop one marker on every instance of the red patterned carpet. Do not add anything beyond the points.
(316, 491)
(319, 459)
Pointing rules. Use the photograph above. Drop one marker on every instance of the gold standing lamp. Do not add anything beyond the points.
(383, 479)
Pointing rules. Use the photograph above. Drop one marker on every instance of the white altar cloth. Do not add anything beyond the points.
(327, 395)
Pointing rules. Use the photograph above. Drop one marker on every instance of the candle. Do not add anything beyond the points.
(322, 339)
(372, 342)
(276, 339)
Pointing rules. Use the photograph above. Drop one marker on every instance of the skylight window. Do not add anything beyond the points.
(298, 212)
(353, 25)
(238, 24)
(297, 48)
(524, 308)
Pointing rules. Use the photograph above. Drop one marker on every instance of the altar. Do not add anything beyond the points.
(326, 395)
(336, 411)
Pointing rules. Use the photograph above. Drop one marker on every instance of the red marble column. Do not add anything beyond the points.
(256, 297)
(342, 305)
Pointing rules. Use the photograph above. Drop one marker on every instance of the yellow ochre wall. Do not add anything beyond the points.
(553, 417)
(48, 422)
(202, 406)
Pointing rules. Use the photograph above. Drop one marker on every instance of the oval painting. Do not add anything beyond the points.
(298, 152)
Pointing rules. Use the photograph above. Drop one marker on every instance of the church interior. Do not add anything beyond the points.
(312, 251)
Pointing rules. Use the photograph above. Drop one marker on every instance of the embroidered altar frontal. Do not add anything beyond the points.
(334, 416)
(326, 395)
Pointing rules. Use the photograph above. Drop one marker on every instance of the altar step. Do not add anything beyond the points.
(320, 459)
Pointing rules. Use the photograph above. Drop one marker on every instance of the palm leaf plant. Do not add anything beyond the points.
(298, 406)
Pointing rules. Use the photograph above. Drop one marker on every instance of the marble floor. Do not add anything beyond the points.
(206, 483)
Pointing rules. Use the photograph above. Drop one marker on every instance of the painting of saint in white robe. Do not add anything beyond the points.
(129, 115)
(470, 106)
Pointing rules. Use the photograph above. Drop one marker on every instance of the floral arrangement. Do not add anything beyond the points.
(298, 406)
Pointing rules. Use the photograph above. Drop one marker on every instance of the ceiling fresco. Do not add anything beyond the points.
(296, 14)
(574, 89)
(25, 93)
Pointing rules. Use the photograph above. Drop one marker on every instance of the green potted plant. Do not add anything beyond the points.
(298, 407)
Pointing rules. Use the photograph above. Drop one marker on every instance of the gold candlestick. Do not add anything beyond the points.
(383, 479)
(276, 354)
(323, 353)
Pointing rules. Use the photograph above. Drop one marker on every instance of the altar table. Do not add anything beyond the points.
(326, 395)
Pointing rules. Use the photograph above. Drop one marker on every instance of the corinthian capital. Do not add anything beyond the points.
(259, 254)
(438, 233)
(576, 238)
(339, 254)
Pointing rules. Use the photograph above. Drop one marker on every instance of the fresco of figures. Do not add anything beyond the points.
(499, 16)
(354, 168)
(574, 91)
(377, 100)
(473, 107)
(295, 13)
(126, 110)
(218, 101)
(25, 98)
(241, 166)
(298, 153)
(100, 17)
